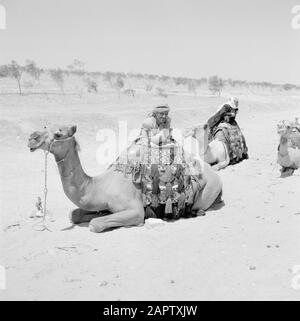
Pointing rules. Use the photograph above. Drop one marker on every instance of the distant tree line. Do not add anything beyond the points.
(122, 82)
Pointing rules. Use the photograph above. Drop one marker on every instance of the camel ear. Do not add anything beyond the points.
(72, 130)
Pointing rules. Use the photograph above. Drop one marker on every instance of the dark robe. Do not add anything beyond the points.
(223, 126)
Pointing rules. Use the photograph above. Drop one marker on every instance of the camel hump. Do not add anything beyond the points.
(149, 123)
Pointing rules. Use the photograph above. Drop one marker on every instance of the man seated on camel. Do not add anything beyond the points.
(157, 124)
(223, 127)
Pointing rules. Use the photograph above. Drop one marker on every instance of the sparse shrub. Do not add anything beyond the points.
(161, 92)
(148, 86)
(15, 71)
(288, 86)
(33, 70)
(119, 84)
(215, 85)
(4, 71)
(192, 87)
(76, 68)
(129, 92)
(92, 85)
(76, 65)
(58, 76)
(164, 78)
(108, 76)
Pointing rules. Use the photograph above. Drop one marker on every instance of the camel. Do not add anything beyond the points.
(110, 199)
(289, 148)
(214, 153)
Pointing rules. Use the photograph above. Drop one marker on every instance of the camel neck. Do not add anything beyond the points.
(203, 146)
(73, 177)
(283, 146)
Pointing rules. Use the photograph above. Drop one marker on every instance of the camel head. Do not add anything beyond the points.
(196, 131)
(39, 140)
(284, 128)
(200, 132)
(197, 135)
(58, 142)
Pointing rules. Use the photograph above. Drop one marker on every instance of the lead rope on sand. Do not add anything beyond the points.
(41, 226)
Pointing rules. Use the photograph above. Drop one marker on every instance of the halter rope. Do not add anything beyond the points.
(42, 223)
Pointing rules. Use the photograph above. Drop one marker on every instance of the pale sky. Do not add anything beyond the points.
(239, 39)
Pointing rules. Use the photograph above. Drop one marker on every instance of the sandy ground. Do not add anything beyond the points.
(247, 250)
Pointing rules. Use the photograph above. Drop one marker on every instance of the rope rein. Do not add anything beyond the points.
(45, 185)
(42, 226)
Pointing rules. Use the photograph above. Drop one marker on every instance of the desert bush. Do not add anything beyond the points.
(119, 84)
(129, 92)
(191, 85)
(4, 71)
(108, 77)
(161, 92)
(288, 86)
(58, 76)
(180, 81)
(32, 69)
(164, 78)
(215, 85)
(76, 68)
(148, 86)
(15, 71)
(92, 85)
(76, 65)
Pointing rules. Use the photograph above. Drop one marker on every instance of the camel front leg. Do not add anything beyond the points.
(130, 217)
(78, 216)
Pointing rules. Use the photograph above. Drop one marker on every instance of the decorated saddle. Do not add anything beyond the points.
(164, 174)
(234, 139)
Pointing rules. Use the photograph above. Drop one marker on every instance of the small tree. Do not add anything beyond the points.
(58, 76)
(33, 70)
(108, 76)
(149, 86)
(77, 67)
(15, 71)
(288, 86)
(161, 92)
(92, 85)
(192, 86)
(215, 85)
(4, 71)
(119, 84)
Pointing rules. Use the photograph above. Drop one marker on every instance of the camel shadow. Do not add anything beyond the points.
(68, 228)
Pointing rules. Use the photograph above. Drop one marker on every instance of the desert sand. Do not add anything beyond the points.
(247, 250)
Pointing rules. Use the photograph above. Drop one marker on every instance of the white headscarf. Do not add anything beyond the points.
(232, 102)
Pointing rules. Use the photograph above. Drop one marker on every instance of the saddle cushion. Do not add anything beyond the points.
(164, 174)
(234, 140)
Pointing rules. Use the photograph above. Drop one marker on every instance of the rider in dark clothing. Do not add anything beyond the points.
(224, 127)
